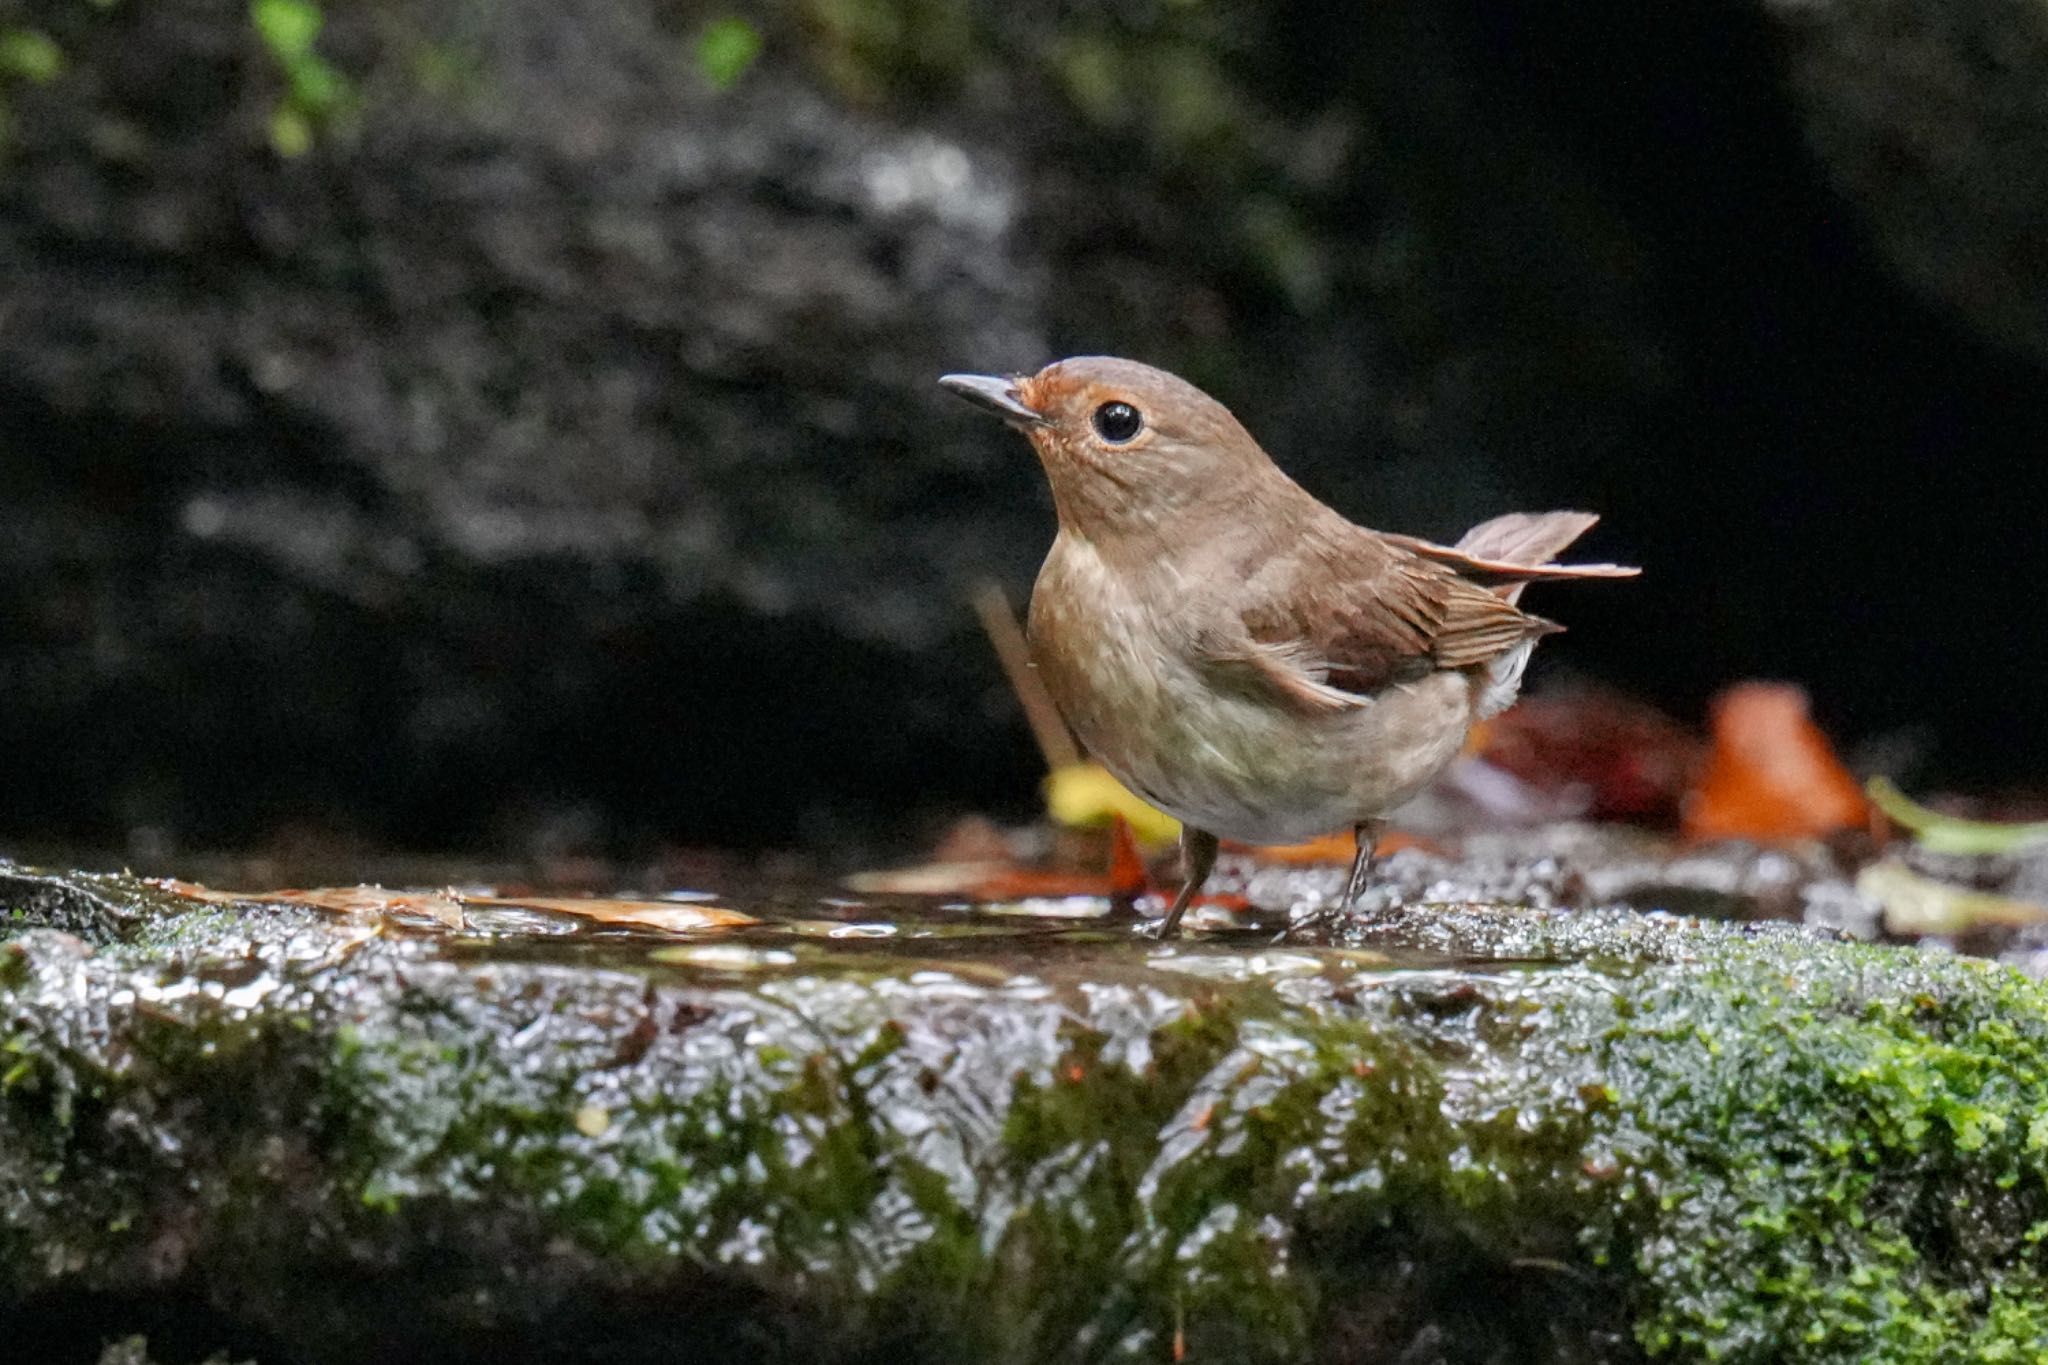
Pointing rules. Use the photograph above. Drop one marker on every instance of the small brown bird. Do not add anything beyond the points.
(1234, 651)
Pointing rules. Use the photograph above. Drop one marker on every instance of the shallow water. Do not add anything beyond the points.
(590, 911)
(1061, 942)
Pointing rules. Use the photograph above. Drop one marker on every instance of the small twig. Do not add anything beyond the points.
(1054, 743)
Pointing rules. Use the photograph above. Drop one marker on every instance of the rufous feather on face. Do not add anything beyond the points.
(1236, 652)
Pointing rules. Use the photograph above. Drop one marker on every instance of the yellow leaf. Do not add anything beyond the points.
(1086, 794)
(1914, 904)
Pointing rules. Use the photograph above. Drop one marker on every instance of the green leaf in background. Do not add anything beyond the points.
(1091, 71)
(288, 27)
(316, 86)
(726, 49)
(290, 134)
(316, 95)
(1285, 251)
(31, 55)
(1938, 833)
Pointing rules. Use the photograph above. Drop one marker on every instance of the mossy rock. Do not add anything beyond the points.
(1484, 1134)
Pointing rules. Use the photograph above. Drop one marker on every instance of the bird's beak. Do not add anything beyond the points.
(997, 395)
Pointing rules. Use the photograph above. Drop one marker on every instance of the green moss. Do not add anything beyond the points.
(1839, 1146)
(1776, 1137)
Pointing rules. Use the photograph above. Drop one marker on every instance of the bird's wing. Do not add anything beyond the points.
(1288, 673)
(1339, 613)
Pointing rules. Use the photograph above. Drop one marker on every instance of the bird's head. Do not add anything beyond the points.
(1127, 448)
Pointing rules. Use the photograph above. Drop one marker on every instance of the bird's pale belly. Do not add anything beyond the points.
(1243, 766)
(1254, 773)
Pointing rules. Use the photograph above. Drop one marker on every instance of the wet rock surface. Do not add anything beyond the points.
(317, 1129)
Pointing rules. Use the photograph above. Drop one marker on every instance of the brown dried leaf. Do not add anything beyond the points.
(668, 917)
(446, 908)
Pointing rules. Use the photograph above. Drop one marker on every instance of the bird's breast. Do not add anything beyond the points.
(1102, 651)
(1116, 657)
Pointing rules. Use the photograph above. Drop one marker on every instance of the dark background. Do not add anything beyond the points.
(546, 455)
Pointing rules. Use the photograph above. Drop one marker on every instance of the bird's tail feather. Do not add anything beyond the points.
(1525, 537)
(1512, 551)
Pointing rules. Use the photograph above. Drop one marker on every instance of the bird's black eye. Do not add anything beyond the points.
(1118, 422)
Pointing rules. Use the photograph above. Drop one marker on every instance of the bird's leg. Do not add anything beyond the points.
(1197, 857)
(1367, 833)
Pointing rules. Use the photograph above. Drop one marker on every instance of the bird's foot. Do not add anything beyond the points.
(1366, 837)
(1198, 856)
(1378, 903)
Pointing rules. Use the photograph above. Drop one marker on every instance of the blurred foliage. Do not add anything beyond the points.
(1940, 833)
(1167, 81)
(316, 95)
(1171, 84)
(726, 49)
(26, 55)
(872, 49)
(31, 55)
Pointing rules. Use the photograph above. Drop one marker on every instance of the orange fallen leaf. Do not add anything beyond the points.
(1127, 879)
(1336, 847)
(1772, 773)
